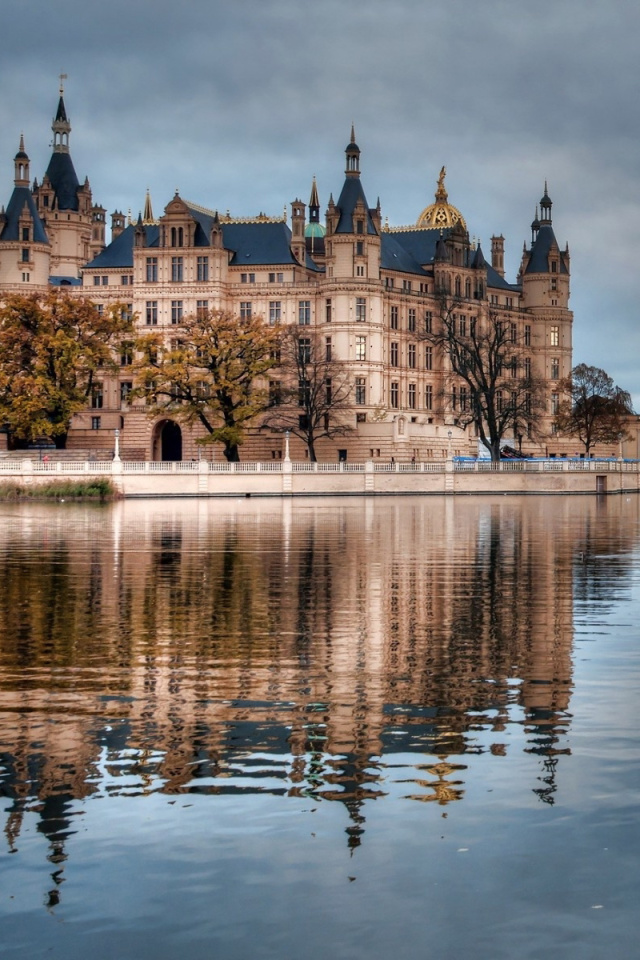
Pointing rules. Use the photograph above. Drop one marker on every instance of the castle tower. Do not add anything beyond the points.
(65, 205)
(24, 245)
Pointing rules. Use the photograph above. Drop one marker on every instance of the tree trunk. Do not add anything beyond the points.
(311, 450)
(231, 453)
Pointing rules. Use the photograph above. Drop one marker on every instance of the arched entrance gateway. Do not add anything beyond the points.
(167, 441)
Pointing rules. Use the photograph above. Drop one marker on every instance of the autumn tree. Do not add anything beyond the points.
(54, 349)
(595, 409)
(488, 380)
(211, 374)
(313, 397)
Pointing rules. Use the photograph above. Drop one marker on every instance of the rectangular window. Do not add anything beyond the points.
(361, 390)
(411, 396)
(555, 368)
(428, 322)
(304, 349)
(393, 323)
(454, 398)
(328, 390)
(394, 396)
(361, 348)
(359, 248)
(273, 278)
(527, 335)
(463, 326)
(394, 354)
(499, 401)
(202, 269)
(125, 389)
(25, 234)
(97, 397)
(247, 278)
(406, 286)
(96, 281)
(513, 368)
(177, 269)
(463, 398)
(328, 349)
(411, 323)
(554, 336)
(100, 309)
(245, 309)
(95, 423)
(304, 312)
(514, 333)
(275, 312)
(361, 308)
(304, 393)
(202, 309)
(151, 313)
(327, 310)
(152, 269)
(126, 354)
(555, 400)
(105, 281)
(428, 358)
(526, 363)
(554, 283)
(25, 278)
(428, 397)
(176, 311)
(275, 392)
(411, 355)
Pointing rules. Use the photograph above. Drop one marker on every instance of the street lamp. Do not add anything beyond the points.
(449, 434)
(116, 451)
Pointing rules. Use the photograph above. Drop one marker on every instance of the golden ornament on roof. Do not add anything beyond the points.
(441, 214)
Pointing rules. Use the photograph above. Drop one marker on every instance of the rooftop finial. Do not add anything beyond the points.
(63, 77)
(353, 133)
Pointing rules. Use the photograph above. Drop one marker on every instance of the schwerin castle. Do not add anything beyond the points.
(365, 288)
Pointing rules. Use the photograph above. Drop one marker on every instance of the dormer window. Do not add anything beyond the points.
(25, 235)
(177, 237)
(554, 266)
(359, 226)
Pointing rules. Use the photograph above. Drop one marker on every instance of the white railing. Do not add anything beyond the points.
(23, 466)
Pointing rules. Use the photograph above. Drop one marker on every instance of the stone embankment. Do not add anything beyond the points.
(285, 478)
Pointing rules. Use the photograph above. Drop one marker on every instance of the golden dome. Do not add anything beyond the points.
(441, 214)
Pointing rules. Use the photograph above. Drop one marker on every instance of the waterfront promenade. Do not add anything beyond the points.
(204, 478)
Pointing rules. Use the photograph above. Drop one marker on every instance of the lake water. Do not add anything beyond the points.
(395, 728)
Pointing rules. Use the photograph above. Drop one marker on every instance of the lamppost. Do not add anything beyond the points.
(116, 450)
(449, 435)
(286, 447)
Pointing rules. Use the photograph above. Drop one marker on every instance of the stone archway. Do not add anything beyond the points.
(167, 441)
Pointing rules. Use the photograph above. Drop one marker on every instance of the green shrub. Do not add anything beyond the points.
(100, 488)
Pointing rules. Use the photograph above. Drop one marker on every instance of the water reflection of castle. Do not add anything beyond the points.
(210, 647)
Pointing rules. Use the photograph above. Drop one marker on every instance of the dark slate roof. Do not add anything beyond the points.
(11, 232)
(119, 253)
(352, 192)
(64, 181)
(418, 249)
(540, 249)
(495, 280)
(250, 244)
(65, 281)
(258, 243)
(394, 255)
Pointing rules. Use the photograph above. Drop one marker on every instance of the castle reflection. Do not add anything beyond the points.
(330, 650)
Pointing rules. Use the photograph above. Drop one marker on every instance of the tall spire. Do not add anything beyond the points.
(61, 126)
(21, 161)
(353, 156)
(147, 216)
(314, 204)
(545, 206)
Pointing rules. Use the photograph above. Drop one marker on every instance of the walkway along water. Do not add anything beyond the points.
(202, 478)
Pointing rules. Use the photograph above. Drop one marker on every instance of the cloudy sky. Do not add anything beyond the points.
(238, 104)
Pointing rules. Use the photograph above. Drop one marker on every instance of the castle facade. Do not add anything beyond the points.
(368, 290)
